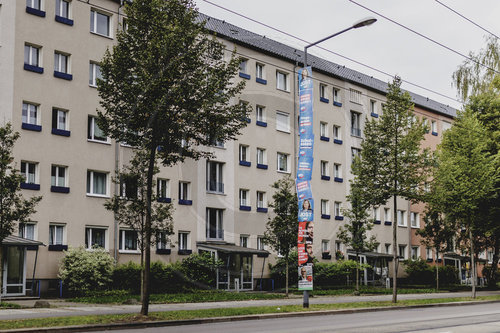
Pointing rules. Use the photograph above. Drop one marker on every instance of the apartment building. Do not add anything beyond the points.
(49, 62)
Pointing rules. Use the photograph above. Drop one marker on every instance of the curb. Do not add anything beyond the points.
(166, 323)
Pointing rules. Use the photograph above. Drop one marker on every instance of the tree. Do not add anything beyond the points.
(392, 163)
(130, 205)
(13, 206)
(354, 233)
(167, 89)
(281, 230)
(466, 177)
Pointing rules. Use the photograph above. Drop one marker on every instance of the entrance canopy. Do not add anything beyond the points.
(231, 248)
(12, 240)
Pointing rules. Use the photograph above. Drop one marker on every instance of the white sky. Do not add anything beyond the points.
(383, 45)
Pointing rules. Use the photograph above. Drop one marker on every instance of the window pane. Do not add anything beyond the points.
(102, 24)
(99, 183)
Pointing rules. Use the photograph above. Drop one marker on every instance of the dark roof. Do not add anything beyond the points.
(230, 248)
(18, 241)
(372, 254)
(265, 45)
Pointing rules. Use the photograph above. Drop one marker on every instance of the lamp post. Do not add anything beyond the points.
(362, 23)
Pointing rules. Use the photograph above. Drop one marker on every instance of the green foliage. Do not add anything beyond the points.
(421, 273)
(278, 270)
(127, 277)
(83, 271)
(200, 270)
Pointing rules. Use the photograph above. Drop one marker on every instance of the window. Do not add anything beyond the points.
(56, 234)
(244, 240)
(27, 230)
(325, 207)
(282, 81)
(94, 74)
(336, 95)
(387, 214)
(388, 248)
(214, 177)
(60, 119)
(283, 162)
(324, 169)
(214, 224)
(261, 156)
(162, 188)
(261, 244)
(337, 168)
(61, 62)
(97, 183)
(338, 208)
(414, 252)
(355, 96)
(445, 126)
(32, 55)
(355, 124)
(261, 199)
(29, 170)
(100, 23)
(425, 121)
(373, 108)
(62, 8)
(376, 213)
(260, 113)
(322, 91)
(402, 219)
(244, 197)
(259, 71)
(162, 241)
(434, 127)
(325, 246)
(216, 142)
(402, 252)
(414, 220)
(35, 4)
(184, 240)
(128, 186)
(243, 66)
(244, 153)
(282, 122)
(336, 132)
(323, 129)
(95, 237)
(30, 114)
(184, 191)
(128, 240)
(94, 133)
(355, 152)
(428, 253)
(58, 176)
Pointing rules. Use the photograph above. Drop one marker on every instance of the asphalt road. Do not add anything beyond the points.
(480, 318)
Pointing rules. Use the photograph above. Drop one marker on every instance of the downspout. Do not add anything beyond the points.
(34, 269)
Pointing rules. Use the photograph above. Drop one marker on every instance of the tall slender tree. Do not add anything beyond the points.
(13, 206)
(167, 89)
(392, 163)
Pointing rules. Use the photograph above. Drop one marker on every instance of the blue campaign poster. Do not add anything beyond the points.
(304, 169)
(304, 190)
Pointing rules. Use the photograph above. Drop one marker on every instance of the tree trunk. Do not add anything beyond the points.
(1, 272)
(437, 270)
(395, 252)
(356, 292)
(473, 264)
(492, 276)
(286, 275)
(147, 229)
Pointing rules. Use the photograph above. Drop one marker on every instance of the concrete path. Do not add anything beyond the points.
(60, 308)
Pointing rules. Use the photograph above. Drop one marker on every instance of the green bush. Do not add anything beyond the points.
(199, 270)
(278, 270)
(421, 273)
(335, 273)
(127, 277)
(83, 271)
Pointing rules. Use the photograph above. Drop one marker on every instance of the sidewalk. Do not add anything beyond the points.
(62, 308)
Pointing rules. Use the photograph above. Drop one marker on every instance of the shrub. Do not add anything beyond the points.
(278, 270)
(128, 277)
(199, 270)
(335, 273)
(83, 271)
(421, 273)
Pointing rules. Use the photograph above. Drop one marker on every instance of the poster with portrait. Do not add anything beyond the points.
(305, 277)
(306, 210)
(306, 255)
(306, 232)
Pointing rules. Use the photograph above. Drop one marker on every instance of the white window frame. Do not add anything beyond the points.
(388, 248)
(244, 153)
(325, 207)
(337, 168)
(261, 245)
(35, 4)
(325, 168)
(279, 157)
(94, 73)
(162, 241)
(323, 129)
(122, 241)
(54, 179)
(336, 95)
(30, 177)
(428, 253)
(260, 113)
(219, 177)
(27, 113)
(260, 72)
(355, 96)
(94, 14)
(402, 219)
(60, 8)
(354, 152)
(415, 252)
(387, 214)
(58, 64)
(282, 82)
(376, 213)
(244, 240)
(404, 255)
(325, 246)
(261, 156)
(23, 230)
(322, 90)
(61, 114)
(89, 230)
(183, 238)
(184, 190)
(373, 107)
(244, 197)
(261, 199)
(415, 220)
(163, 187)
(243, 66)
(53, 233)
(283, 121)
(219, 223)
(92, 127)
(31, 57)
(434, 126)
(338, 208)
(90, 183)
(337, 134)
(356, 124)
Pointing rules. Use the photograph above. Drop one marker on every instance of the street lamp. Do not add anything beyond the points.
(362, 23)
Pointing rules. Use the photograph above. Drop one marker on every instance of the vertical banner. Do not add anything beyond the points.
(303, 181)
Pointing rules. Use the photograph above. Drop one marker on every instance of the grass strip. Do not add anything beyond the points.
(4, 305)
(220, 312)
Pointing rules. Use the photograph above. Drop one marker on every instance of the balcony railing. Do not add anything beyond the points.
(216, 187)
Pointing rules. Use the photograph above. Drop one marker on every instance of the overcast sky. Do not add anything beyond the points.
(383, 45)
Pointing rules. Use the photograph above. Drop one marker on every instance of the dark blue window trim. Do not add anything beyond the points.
(262, 166)
(324, 138)
(64, 20)
(324, 100)
(34, 69)
(166, 200)
(63, 76)
(185, 202)
(374, 115)
(435, 133)
(430, 260)
(325, 216)
(60, 132)
(58, 247)
(337, 141)
(261, 81)
(261, 123)
(185, 252)
(337, 103)
(338, 179)
(261, 210)
(326, 255)
(35, 11)
(248, 120)
(29, 186)
(323, 177)
(388, 223)
(59, 189)
(245, 208)
(377, 222)
(31, 127)
(244, 75)
(245, 163)
(339, 218)
(163, 251)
